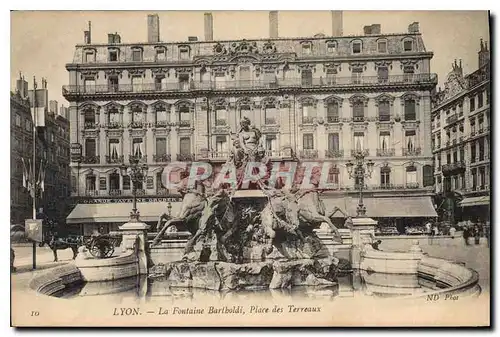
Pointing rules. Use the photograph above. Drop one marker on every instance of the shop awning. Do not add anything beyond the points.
(403, 207)
(119, 212)
(475, 201)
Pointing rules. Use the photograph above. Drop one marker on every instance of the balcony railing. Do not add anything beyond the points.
(161, 124)
(90, 125)
(161, 158)
(91, 159)
(334, 153)
(308, 154)
(307, 120)
(364, 153)
(358, 119)
(115, 192)
(453, 168)
(185, 157)
(91, 193)
(137, 125)
(141, 159)
(114, 159)
(332, 119)
(386, 152)
(185, 123)
(412, 185)
(250, 84)
(412, 152)
(114, 125)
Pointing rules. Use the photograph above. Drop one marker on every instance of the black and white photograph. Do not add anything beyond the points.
(259, 168)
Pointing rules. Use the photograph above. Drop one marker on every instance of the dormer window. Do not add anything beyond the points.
(136, 55)
(160, 54)
(408, 45)
(382, 46)
(331, 47)
(113, 55)
(89, 56)
(356, 47)
(306, 48)
(184, 53)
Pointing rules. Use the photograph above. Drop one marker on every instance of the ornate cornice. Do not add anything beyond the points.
(357, 64)
(383, 64)
(183, 71)
(89, 73)
(113, 72)
(358, 98)
(332, 67)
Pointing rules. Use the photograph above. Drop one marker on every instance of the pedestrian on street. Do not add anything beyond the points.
(477, 234)
(452, 231)
(466, 235)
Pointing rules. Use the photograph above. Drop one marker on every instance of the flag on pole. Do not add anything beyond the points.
(25, 174)
(41, 176)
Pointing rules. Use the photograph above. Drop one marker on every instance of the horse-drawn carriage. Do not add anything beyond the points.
(102, 246)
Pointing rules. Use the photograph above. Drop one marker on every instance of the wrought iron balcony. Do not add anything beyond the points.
(308, 154)
(332, 119)
(161, 124)
(114, 159)
(334, 153)
(384, 118)
(115, 192)
(91, 159)
(184, 123)
(307, 120)
(137, 125)
(412, 152)
(162, 158)
(364, 153)
(90, 125)
(358, 119)
(114, 125)
(273, 153)
(386, 152)
(419, 79)
(91, 193)
(412, 185)
(140, 158)
(185, 157)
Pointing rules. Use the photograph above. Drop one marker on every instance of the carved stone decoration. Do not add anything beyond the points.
(136, 72)
(183, 71)
(161, 132)
(308, 127)
(114, 133)
(89, 106)
(91, 133)
(409, 63)
(269, 101)
(244, 47)
(306, 66)
(308, 100)
(86, 73)
(245, 101)
(219, 49)
(334, 127)
(270, 128)
(269, 47)
(113, 106)
(285, 104)
(359, 127)
(358, 65)
(232, 71)
(135, 106)
(159, 71)
(161, 106)
(220, 102)
(219, 69)
(383, 64)
(385, 126)
(384, 98)
(358, 99)
(137, 132)
(332, 67)
(331, 99)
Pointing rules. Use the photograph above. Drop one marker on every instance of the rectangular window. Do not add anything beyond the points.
(160, 54)
(161, 117)
(408, 72)
(356, 47)
(114, 149)
(384, 140)
(245, 79)
(137, 83)
(220, 117)
(474, 179)
(408, 45)
(90, 147)
(332, 112)
(138, 147)
(185, 146)
(221, 144)
(480, 100)
(411, 175)
(482, 176)
(113, 84)
(271, 115)
(126, 183)
(385, 177)
(455, 156)
(220, 81)
(308, 113)
(384, 114)
(89, 85)
(269, 78)
(382, 46)
(383, 74)
(448, 158)
(358, 111)
(308, 141)
(90, 182)
(481, 149)
(359, 141)
(113, 56)
(306, 76)
(185, 116)
(102, 184)
(306, 49)
(356, 75)
(410, 140)
(136, 55)
(480, 124)
(271, 143)
(472, 103)
(184, 54)
(161, 146)
(410, 110)
(184, 82)
(89, 57)
(331, 77)
(473, 152)
(333, 142)
(331, 47)
(18, 120)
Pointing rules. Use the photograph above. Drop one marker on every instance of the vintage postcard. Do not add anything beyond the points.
(250, 168)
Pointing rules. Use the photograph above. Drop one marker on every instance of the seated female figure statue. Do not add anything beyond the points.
(249, 138)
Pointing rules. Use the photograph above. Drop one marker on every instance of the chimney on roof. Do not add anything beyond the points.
(209, 27)
(114, 38)
(413, 28)
(153, 28)
(337, 23)
(483, 54)
(22, 86)
(273, 24)
(373, 29)
(87, 35)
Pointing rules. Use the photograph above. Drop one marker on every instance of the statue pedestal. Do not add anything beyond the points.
(363, 231)
(135, 238)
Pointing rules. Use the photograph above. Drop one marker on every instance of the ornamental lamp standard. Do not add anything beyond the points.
(137, 174)
(358, 171)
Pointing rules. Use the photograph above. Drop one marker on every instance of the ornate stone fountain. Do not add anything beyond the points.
(250, 234)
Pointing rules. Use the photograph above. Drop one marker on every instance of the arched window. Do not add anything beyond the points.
(89, 118)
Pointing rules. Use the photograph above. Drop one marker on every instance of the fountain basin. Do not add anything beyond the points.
(122, 266)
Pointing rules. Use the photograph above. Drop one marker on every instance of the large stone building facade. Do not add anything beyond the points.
(52, 151)
(461, 142)
(320, 98)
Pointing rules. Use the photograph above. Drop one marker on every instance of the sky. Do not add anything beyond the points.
(42, 42)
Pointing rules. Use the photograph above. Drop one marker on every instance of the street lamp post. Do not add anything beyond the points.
(137, 174)
(358, 171)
